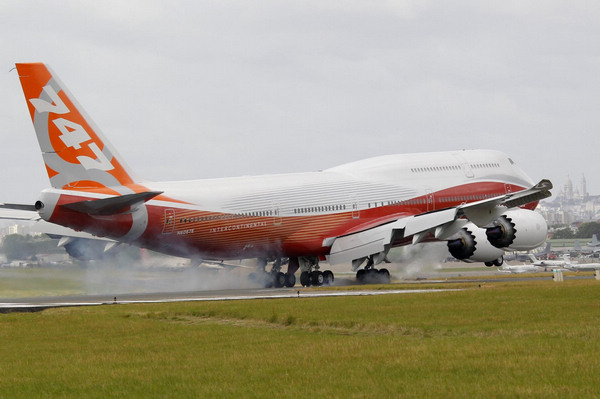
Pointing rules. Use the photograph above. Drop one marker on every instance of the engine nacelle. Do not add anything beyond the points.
(472, 245)
(518, 230)
(85, 249)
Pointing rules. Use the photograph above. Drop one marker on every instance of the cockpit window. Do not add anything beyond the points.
(511, 161)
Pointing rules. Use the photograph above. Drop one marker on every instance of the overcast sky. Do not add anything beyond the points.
(188, 89)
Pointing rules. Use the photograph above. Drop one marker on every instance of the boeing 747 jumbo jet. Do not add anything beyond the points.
(478, 201)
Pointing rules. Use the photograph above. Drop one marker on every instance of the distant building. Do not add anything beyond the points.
(15, 229)
(571, 205)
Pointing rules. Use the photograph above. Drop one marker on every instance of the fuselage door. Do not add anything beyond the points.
(466, 168)
(169, 221)
(430, 200)
(355, 209)
(276, 214)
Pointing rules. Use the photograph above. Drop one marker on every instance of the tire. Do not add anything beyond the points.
(316, 278)
(305, 279)
(278, 280)
(360, 275)
(372, 277)
(290, 280)
(328, 277)
(384, 276)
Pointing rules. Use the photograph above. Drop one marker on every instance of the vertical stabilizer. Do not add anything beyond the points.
(76, 153)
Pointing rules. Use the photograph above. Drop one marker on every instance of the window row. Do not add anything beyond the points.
(227, 216)
(435, 169)
(440, 199)
(485, 165)
(326, 208)
(454, 167)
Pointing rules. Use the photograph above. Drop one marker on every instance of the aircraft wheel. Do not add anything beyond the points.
(384, 276)
(290, 280)
(360, 275)
(267, 279)
(499, 261)
(372, 277)
(328, 277)
(279, 280)
(489, 264)
(305, 279)
(316, 278)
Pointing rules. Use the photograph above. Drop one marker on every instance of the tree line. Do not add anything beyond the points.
(584, 231)
(17, 246)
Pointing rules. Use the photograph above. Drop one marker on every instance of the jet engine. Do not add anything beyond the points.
(518, 230)
(472, 245)
(85, 249)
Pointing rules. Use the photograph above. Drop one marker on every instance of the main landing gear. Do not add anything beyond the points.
(275, 278)
(311, 275)
(496, 262)
(370, 275)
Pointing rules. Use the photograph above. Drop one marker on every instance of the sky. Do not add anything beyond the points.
(192, 90)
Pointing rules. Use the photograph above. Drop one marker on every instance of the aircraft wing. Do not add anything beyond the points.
(442, 224)
(223, 265)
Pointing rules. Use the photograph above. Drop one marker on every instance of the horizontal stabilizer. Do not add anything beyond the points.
(18, 212)
(19, 207)
(112, 205)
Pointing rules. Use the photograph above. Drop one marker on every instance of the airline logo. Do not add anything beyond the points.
(73, 135)
(74, 150)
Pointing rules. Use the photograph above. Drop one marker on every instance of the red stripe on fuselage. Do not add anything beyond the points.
(225, 236)
(228, 236)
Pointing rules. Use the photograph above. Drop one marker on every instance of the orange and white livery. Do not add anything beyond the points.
(478, 201)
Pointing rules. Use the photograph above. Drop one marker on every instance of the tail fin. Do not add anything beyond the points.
(76, 154)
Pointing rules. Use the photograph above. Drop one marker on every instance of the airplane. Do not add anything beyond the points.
(594, 242)
(583, 267)
(516, 269)
(565, 261)
(478, 201)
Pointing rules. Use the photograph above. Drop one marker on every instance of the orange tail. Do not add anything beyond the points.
(76, 154)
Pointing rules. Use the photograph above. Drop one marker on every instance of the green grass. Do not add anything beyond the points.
(509, 340)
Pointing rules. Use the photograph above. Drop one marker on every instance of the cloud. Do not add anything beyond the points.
(231, 88)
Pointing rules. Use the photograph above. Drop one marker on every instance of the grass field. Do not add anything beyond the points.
(538, 339)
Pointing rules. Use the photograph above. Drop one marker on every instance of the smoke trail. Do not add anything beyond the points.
(421, 260)
(157, 273)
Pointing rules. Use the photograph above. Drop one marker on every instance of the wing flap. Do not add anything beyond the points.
(364, 243)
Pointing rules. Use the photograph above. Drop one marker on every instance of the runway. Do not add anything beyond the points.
(40, 303)
(129, 287)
